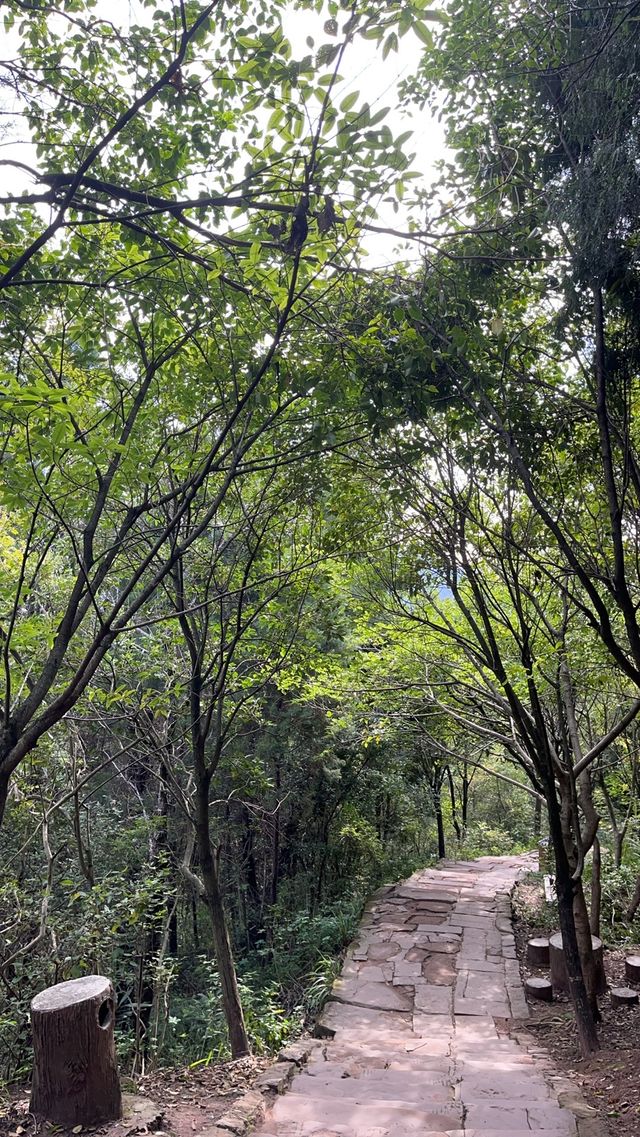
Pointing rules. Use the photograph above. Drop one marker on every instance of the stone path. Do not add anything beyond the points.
(411, 1041)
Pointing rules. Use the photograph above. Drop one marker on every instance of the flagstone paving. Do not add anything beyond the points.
(411, 1046)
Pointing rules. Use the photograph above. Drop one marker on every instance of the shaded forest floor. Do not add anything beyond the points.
(609, 1080)
(176, 1102)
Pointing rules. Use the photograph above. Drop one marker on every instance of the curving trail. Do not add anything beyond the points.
(412, 1042)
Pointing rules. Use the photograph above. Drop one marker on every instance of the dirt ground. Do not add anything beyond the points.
(165, 1103)
(609, 1081)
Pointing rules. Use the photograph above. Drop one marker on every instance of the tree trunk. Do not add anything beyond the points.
(4, 794)
(75, 1077)
(251, 891)
(222, 945)
(194, 922)
(454, 806)
(596, 889)
(583, 935)
(436, 778)
(635, 901)
(537, 818)
(442, 850)
(275, 846)
(618, 842)
(173, 931)
(585, 1023)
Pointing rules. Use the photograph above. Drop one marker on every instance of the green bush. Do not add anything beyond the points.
(484, 840)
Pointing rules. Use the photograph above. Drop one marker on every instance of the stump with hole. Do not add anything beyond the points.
(538, 951)
(539, 989)
(632, 968)
(623, 997)
(75, 1077)
(558, 967)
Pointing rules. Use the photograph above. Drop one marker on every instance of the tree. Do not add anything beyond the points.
(146, 351)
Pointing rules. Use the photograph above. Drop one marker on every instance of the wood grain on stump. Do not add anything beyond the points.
(623, 997)
(558, 967)
(75, 1077)
(632, 968)
(538, 951)
(539, 989)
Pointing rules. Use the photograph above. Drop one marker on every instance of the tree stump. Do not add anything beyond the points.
(632, 968)
(539, 989)
(538, 951)
(558, 967)
(75, 1077)
(623, 997)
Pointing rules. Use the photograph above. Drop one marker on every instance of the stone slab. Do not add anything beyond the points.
(364, 1084)
(497, 1009)
(507, 1116)
(504, 1086)
(483, 965)
(428, 892)
(433, 999)
(389, 1118)
(440, 970)
(383, 952)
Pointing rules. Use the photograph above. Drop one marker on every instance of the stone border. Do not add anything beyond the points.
(250, 1109)
(513, 980)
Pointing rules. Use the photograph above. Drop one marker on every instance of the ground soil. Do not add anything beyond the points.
(171, 1102)
(609, 1081)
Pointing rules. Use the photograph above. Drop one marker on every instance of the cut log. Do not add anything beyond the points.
(538, 951)
(539, 989)
(558, 968)
(623, 997)
(632, 968)
(75, 1077)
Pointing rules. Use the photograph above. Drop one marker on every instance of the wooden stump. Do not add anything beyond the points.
(623, 997)
(538, 951)
(75, 1077)
(539, 989)
(632, 968)
(558, 968)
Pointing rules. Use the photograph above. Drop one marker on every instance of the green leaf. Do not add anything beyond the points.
(424, 34)
(390, 44)
(350, 101)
